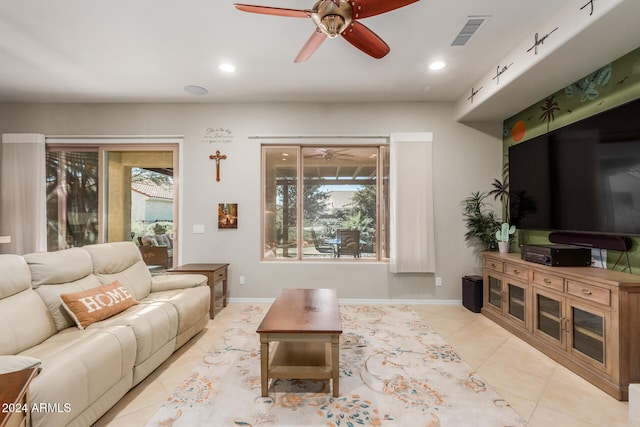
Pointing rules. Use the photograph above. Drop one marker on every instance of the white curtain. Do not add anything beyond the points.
(412, 228)
(23, 193)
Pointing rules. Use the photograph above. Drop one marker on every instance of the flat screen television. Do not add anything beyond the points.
(583, 177)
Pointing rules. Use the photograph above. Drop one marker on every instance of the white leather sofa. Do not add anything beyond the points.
(84, 372)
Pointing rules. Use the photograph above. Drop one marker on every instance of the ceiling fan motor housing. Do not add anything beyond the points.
(338, 17)
(332, 16)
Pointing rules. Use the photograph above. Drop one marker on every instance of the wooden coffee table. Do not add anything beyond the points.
(305, 327)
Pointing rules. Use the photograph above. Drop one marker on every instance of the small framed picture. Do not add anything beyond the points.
(227, 215)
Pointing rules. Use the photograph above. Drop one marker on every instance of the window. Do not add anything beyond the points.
(110, 193)
(325, 202)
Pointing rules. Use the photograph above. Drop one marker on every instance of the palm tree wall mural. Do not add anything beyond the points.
(501, 190)
(549, 108)
(612, 85)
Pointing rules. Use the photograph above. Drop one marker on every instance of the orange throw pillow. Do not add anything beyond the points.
(99, 303)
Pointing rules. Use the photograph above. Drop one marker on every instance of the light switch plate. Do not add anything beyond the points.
(198, 228)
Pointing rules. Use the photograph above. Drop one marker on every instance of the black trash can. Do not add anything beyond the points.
(472, 293)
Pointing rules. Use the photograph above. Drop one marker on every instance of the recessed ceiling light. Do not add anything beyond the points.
(437, 65)
(227, 68)
(195, 90)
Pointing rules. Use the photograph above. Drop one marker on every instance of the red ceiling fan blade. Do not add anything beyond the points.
(279, 11)
(311, 45)
(367, 8)
(366, 40)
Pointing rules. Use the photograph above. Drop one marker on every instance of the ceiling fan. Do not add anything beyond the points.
(338, 17)
(329, 154)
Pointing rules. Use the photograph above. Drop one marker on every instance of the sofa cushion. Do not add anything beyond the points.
(15, 275)
(79, 367)
(191, 305)
(149, 241)
(55, 273)
(24, 322)
(14, 363)
(58, 267)
(121, 261)
(102, 302)
(50, 294)
(153, 324)
(164, 240)
(169, 282)
(24, 319)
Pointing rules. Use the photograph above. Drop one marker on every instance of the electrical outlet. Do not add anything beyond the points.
(438, 281)
(242, 282)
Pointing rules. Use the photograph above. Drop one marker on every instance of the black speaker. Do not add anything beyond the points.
(600, 241)
(472, 293)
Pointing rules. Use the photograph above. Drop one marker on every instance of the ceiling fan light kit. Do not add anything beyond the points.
(337, 17)
(332, 18)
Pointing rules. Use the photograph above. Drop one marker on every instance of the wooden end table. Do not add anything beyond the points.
(14, 398)
(305, 326)
(216, 279)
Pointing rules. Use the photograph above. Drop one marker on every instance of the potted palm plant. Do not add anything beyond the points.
(481, 222)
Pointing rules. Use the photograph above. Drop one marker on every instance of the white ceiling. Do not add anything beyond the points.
(149, 50)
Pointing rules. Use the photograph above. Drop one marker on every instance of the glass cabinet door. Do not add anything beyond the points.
(548, 313)
(495, 292)
(516, 300)
(588, 335)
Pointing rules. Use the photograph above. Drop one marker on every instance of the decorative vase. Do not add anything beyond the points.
(503, 247)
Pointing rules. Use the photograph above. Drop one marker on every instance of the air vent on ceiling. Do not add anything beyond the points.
(469, 29)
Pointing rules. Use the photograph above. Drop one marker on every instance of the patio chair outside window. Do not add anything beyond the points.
(322, 246)
(349, 243)
(154, 254)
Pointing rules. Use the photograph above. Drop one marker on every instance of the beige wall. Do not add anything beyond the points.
(465, 160)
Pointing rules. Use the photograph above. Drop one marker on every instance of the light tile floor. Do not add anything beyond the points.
(541, 391)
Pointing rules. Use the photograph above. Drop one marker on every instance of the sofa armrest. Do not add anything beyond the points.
(168, 282)
(13, 363)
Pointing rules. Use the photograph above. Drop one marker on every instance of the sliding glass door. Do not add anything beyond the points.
(72, 198)
(140, 194)
(111, 194)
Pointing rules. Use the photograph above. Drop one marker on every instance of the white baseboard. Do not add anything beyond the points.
(358, 301)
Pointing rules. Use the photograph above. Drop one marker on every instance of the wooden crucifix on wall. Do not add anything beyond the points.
(217, 158)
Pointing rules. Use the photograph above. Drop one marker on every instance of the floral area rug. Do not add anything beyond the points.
(395, 370)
